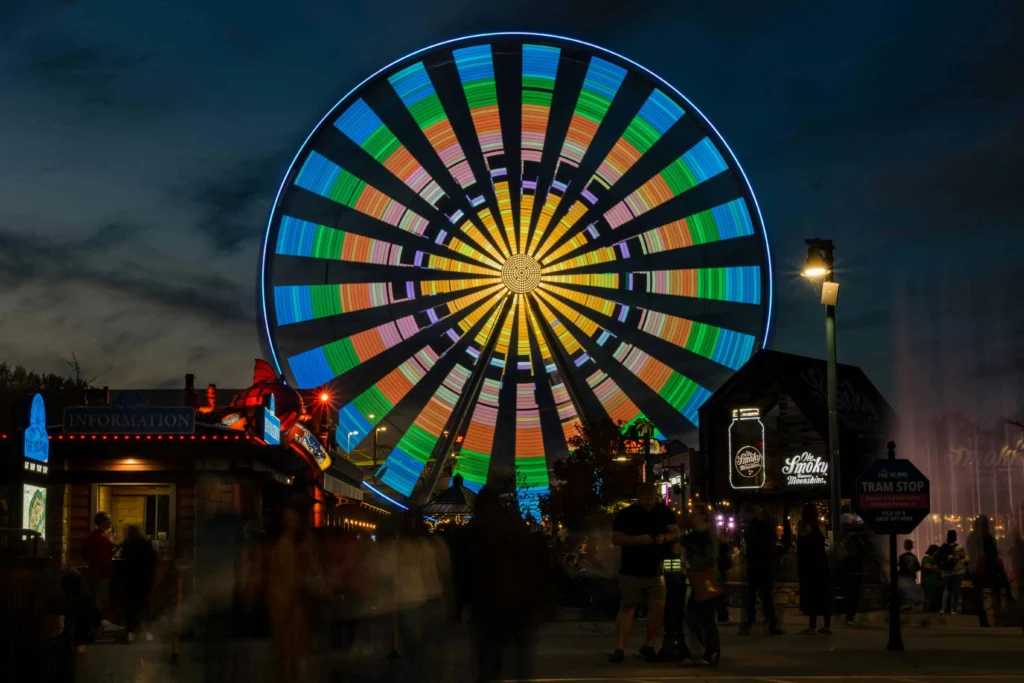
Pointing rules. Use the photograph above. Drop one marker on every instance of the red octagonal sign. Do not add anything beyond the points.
(893, 497)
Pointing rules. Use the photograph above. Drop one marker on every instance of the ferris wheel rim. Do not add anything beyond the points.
(265, 329)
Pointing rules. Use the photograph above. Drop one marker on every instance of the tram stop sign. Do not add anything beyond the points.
(893, 497)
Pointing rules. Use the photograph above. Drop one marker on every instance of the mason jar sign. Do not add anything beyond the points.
(746, 449)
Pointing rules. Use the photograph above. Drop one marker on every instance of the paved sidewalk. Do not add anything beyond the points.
(577, 651)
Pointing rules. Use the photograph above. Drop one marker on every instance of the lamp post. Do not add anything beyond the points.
(349, 445)
(376, 431)
(820, 262)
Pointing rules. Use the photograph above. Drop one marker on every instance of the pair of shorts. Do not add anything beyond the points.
(633, 589)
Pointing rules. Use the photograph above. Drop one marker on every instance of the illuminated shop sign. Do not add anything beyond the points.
(746, 449)
(304, 439)
(271, 424)
(33, 508)
(37, 442)
(129, 420)
(805, 470)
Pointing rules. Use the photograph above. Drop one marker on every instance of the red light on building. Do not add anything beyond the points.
(458, 439)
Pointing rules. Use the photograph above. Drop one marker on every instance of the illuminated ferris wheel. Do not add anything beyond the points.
(496, 236)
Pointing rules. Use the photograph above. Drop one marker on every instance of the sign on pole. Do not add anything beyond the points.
(893, 497)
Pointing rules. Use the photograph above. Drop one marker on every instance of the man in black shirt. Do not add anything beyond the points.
(645, 531)
(760, 548)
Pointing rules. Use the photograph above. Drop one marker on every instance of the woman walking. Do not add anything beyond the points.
(813, 570)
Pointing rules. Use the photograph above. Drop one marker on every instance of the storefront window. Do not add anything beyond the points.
(148, 507)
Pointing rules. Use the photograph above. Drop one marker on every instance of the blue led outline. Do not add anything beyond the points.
(384, 496)
(505, 34)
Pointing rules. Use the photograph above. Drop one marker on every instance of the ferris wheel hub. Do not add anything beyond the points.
(521, 273)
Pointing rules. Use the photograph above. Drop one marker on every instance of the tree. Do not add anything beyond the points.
(17, 383)
(590, 484)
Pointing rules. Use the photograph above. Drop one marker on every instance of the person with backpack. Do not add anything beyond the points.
(951, 558)
(907, 569)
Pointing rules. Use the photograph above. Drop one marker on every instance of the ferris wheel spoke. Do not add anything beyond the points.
(322, 364)
(638, 256)
(746, 318)
(572, 362)
(546, 378)
(707, 213)
(655, 179)
(659, 392)
(419, 420)
(317, 209)
(701, 352)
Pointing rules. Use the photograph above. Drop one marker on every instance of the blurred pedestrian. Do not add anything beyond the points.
(856, 540)
(761, 551)
(989, 572)
(645, 531)
(931, 579)
(813, 571)
(951, 559)
(293, 581)
(139, 562)
(699, 546)
(504, 578)
(419, 566)
(724, 565)
(908, 567)
(98, 553)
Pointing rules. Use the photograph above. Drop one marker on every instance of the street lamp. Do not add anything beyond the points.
(820, 262)
(376, 431)
(350, 435)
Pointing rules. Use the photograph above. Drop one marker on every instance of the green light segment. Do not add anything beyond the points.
(341, 356)
(372, 402)
(346, 188)
(417, 442)
(592, 105)
(381, 144)
(473, 466)
(535, 470)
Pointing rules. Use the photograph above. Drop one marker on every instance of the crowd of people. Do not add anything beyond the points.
(330, 598)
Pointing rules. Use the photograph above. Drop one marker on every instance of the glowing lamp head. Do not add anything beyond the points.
(815, 266)
(325, 397)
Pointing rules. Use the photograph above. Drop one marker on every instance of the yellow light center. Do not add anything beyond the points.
(521, 273)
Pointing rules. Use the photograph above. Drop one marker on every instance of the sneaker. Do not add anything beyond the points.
(942, 612)
(131, 637)
(850, 622)
(649, 653)
(108, 626)
(825, 631)
(149, 637)
(953, 612)
(808, 632)
(712, 658)
(617, 656)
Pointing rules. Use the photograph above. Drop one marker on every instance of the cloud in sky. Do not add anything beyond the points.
(143, 144)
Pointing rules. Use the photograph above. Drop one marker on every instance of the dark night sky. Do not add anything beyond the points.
(141, 143)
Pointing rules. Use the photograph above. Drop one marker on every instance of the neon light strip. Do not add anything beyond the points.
(380, 399)
(600, 86)
(476, 71)
(417, 93)
(405, 464)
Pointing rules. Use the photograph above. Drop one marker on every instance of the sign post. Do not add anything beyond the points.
(892, 498)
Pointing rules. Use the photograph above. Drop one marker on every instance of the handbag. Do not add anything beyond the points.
(706, 585)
